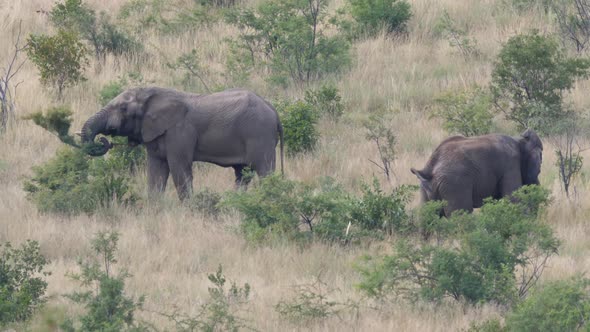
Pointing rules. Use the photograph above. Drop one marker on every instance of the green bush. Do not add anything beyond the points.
(530, 76)
(72, 183)
(22, 287)
(479, 262)
(290, 38)
(562, 305)
(107, 306)
(466, 113)
(371, 16)
(278, 209)
(299, 122)
(61, 59)
(377, 210)
(103, 35)
(326, 100)
(206, 201)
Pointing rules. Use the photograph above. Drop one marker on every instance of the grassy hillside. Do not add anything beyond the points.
(169, 249)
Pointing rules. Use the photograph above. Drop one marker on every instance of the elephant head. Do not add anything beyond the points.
(140, 114)
(531, 154)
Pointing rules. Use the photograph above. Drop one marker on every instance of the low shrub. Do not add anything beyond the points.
(478, 260)
(72, 183)
(326, 100)
(562, 305)
(22, 287)
(277, 208)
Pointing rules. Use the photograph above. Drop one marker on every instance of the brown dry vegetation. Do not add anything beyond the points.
(169, 249)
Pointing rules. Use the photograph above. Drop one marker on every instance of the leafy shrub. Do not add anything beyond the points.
(562, 305)
(373, 15)
(221, 311)
(488, 249)
(60, 59)
(108, 308)
(380, 211)
(288, 37)
(491, 325)
(206, 201)
(466, 113)
(22, 287)
(104, 36)
(326, 100)
(529, 79)
(299, 122)
(283, 209)
(72, 183)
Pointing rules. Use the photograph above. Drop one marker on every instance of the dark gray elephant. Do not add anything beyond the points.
(464, 170)
(234, 128)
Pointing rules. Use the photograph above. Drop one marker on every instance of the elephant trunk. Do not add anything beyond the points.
(94, 125)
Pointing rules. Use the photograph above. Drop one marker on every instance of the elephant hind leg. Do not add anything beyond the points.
(460, 199)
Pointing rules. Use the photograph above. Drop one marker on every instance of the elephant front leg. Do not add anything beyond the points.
(182, 175)
(158, 172)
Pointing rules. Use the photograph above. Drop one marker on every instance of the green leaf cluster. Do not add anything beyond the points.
(22, 287)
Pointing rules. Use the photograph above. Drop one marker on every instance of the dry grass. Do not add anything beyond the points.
(170, 250)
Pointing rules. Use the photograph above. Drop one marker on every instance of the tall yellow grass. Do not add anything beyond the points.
(170, 251)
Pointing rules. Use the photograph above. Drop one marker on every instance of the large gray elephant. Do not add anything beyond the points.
(464, 170)
(234, 128)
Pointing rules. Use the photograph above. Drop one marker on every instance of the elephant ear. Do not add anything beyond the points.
(161, 114)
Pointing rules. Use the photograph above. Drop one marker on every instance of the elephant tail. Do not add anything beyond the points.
(280, 129)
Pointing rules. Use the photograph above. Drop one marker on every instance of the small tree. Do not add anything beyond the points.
(7, 86)
(385, 140)
(529, 79)
(289, 37)
(108, 308)
(299, 121)
(61, 59)
(466, 112)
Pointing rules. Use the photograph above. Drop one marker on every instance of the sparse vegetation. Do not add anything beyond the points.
(332, 205)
